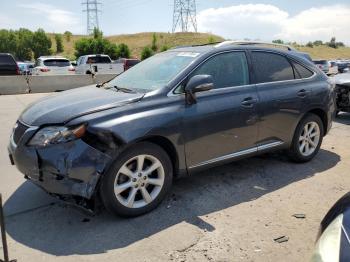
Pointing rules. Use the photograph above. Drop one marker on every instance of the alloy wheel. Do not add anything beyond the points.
(309, 138)
(139, 181)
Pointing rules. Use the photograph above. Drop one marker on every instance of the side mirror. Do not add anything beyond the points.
(198, 83)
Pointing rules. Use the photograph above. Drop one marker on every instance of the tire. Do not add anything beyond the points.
(314, 125)
(126, 179)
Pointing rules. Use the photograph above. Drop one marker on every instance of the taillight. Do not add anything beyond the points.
(71, 69)
(44, 69)
(18, 72)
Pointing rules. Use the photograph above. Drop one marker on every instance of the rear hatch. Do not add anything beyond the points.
(58, 65)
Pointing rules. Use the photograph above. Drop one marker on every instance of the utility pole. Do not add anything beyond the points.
(185, 15)
(92, 10)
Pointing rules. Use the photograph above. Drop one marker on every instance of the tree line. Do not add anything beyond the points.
(332, 43)
(27, 45)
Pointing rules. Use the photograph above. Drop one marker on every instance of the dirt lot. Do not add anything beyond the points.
(231, 213)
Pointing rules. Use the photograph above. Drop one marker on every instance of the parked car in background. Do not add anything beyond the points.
(328, 67)
(8, 65)
(53, 65)
(25, 68)
(97, 64)
(342, 90)
(128, 62)
(343, 65)
(176, 113)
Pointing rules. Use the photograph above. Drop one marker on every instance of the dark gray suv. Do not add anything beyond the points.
(173, 114)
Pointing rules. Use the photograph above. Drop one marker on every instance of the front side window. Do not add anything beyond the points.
(270, 67)
(227, 70)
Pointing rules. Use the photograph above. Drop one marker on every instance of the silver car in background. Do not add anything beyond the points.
(53, 65)
(328, 67)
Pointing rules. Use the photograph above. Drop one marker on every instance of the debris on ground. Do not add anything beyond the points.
(301, 216)
(281, 239)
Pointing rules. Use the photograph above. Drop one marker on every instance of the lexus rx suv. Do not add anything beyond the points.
(181, 111)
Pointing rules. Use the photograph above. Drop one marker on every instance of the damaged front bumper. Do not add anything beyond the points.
(71, 169)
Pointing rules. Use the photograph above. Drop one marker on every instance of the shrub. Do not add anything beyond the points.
(123, 51)
(154, 46)
(68, 35)
(146, 53)
(59, 43)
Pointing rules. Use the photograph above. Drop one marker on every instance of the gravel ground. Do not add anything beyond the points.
(230, 213)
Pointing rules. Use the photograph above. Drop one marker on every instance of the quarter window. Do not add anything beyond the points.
(270, 67)
(301, 71)
(227, 69)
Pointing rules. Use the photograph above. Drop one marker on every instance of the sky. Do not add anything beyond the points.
(297, 20)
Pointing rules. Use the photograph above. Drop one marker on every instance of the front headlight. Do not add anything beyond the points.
(328, 246)
(56, 135)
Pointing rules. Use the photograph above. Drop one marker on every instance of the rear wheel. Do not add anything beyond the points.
(138, 181)
(307, 139)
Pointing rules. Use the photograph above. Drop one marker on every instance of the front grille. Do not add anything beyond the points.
(19, 131)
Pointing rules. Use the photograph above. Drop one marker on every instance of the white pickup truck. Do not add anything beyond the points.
(97, 64)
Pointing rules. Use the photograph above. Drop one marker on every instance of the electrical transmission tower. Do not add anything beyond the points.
(185, 15)
(92, 10)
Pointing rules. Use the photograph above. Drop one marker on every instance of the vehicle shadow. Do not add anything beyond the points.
(343, 118)
(60, 230)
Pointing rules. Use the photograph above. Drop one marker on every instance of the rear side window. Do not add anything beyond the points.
(7, 60)
(227, 69)
(56, 62)
(270, 67)
(301, 71)
(98, 60)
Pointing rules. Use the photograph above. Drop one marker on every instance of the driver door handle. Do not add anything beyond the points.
(249, 102)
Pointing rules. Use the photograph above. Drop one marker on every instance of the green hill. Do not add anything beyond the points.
(137, 41)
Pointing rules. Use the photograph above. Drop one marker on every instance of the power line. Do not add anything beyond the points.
(185, 15)
(92, 10)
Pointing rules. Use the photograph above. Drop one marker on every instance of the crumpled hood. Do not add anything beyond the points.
(63, 107)
(342, 79)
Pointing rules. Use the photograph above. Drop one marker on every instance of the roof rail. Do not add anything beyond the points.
(231, 42)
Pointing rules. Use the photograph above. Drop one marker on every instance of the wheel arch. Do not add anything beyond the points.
(321, 114)
(167, 146)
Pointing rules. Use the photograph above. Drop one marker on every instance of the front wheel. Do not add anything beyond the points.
(307, 139)
(138, 181)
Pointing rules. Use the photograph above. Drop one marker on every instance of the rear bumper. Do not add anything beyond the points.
(70, 169)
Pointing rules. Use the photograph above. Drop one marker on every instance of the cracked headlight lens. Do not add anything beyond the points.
(56, 135)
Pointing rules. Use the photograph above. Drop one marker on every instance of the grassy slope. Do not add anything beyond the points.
(137, 41)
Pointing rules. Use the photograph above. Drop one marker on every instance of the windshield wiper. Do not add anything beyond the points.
(122, 89)
(102, 84)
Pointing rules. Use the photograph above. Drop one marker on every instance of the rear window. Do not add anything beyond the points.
(98, 60)
(7, 60)
(271, 67)
(320, 62)
(301, 71)
(132, 62)
(57, 62)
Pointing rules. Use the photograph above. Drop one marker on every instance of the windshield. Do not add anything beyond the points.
(155, 72)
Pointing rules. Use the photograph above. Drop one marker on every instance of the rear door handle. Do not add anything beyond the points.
(249, 102)
(303, 93)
